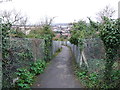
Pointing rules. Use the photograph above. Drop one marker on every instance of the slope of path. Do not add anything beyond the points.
(59, 73)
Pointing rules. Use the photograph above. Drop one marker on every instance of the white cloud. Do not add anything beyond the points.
(65, 10)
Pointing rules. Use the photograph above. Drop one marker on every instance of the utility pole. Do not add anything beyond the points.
(119, 9)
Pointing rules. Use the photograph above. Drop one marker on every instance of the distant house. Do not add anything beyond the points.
(25, 29)
(62, 29)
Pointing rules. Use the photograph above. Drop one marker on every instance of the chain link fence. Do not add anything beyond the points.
(23, 52)
(56, 46)
(91, 56)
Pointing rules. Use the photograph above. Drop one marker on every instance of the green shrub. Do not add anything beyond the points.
(37, 67)
(17, 33)
(95, 79)
(26, 77)
(56, 39)
(110, 34)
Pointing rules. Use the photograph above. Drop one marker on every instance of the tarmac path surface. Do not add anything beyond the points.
(59, 73)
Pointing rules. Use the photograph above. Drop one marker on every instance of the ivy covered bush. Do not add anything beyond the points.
(110, 35)
(41, 32)
(109, 32)
(6, 79)
(44, 32)
(83, 30)
(38, 67)
(78, 31)
(25, 78)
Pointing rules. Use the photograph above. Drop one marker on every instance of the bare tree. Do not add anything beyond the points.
(108, 11)
(17, 20)
(47, 21)
(1, 1)
(13, 17)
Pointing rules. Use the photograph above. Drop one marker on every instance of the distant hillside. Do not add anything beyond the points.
(56, 24)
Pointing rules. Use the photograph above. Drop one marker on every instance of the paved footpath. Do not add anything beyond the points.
(59, 73)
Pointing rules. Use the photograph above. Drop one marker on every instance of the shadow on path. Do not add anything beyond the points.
(59, 73)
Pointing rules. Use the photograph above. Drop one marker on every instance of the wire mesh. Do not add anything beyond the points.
(94, 54)
(23, 52)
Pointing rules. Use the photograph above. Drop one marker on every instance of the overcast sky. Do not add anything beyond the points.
(65, 11)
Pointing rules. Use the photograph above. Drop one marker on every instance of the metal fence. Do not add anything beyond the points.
(35, 48)
(23, 52)
(56, 46)
(91, 57)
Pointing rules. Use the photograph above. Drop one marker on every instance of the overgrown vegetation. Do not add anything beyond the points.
(41, 32)
(96, 79)
(17, 33)
(5, 29)
(61, 38)
(37, 67)
(44, 32)
(26, 76)
(109, 33)
(57, 52)
(20, 53)
(82, 30)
